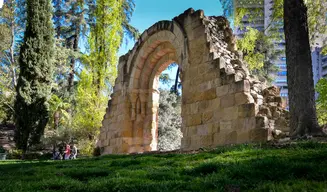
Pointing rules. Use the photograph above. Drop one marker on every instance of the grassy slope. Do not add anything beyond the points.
(302, 167)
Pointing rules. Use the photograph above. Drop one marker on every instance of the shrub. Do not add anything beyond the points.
(86, 147)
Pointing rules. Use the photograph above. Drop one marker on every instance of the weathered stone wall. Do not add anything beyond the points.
(221, 102)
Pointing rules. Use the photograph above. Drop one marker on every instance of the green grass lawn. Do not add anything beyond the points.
(301, 167)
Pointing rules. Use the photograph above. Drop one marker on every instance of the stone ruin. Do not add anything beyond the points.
(221, 102)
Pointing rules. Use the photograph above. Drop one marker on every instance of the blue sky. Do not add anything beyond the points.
(148, 12)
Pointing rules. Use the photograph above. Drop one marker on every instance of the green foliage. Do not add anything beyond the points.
(35, 77)
(247, 44)
(321, 102)
(296, 167)
(86, 147)
(10, 28)
(324, 50)
(90, 107)
(316, 18)
(165, 79)
(170, 120)
(60, 106)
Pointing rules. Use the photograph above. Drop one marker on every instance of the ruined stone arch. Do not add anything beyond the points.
(220, 103)
(162, 47)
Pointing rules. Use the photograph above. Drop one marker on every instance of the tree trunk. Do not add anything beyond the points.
(303, 119)
(56, 119)
(12, 49)
(176, 81)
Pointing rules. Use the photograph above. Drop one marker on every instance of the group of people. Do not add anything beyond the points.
(65, 152)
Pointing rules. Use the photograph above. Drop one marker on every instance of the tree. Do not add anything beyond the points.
(321, 88)
(35, 77)
(11, 27)
(303, 119)
(170, 121)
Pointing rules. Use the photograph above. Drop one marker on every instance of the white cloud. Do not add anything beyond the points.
(1, 3)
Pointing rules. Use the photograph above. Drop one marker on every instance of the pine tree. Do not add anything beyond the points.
(35, 77)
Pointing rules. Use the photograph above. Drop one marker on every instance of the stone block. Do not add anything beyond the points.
(276, 114)
(137, 140)
(105, 142)
(215, 127)
(110, 134)
(240, 86)
(186, 142)
(243, 98)
(247, 110)
(203, 105)
(231, 138)
(222, 90)
(209, 94)
(112, 142)
(281, 124)
(207, 116)
(191, 131)
(259, 135)
(243, 137)
(103, 136)
(210, 76)
(128, 141)
(194, 120)
(108, 150)
(217, 139)
(225, 126)
(193, 108)
(265, 111)
(248, 124)
(230, 113)
(205, 141)
(227, 101)
(278, 99)
(202, 70)
(126, 132)
(262, 122)
(202, 130)
(214, 104)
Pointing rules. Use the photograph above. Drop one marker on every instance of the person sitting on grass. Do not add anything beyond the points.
(57, 156)
(74, 152)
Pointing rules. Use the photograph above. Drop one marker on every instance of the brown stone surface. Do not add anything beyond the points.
(221, 102)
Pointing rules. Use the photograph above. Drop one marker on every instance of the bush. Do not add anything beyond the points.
(17, 154)
(86, 147)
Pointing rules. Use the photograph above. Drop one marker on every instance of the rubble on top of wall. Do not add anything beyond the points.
(268, 102)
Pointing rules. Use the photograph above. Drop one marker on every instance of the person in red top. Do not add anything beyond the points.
(67, 152)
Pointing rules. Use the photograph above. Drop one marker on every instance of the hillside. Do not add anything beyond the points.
(300, 167)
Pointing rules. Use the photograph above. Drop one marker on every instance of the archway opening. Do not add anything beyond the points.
(169, 111)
